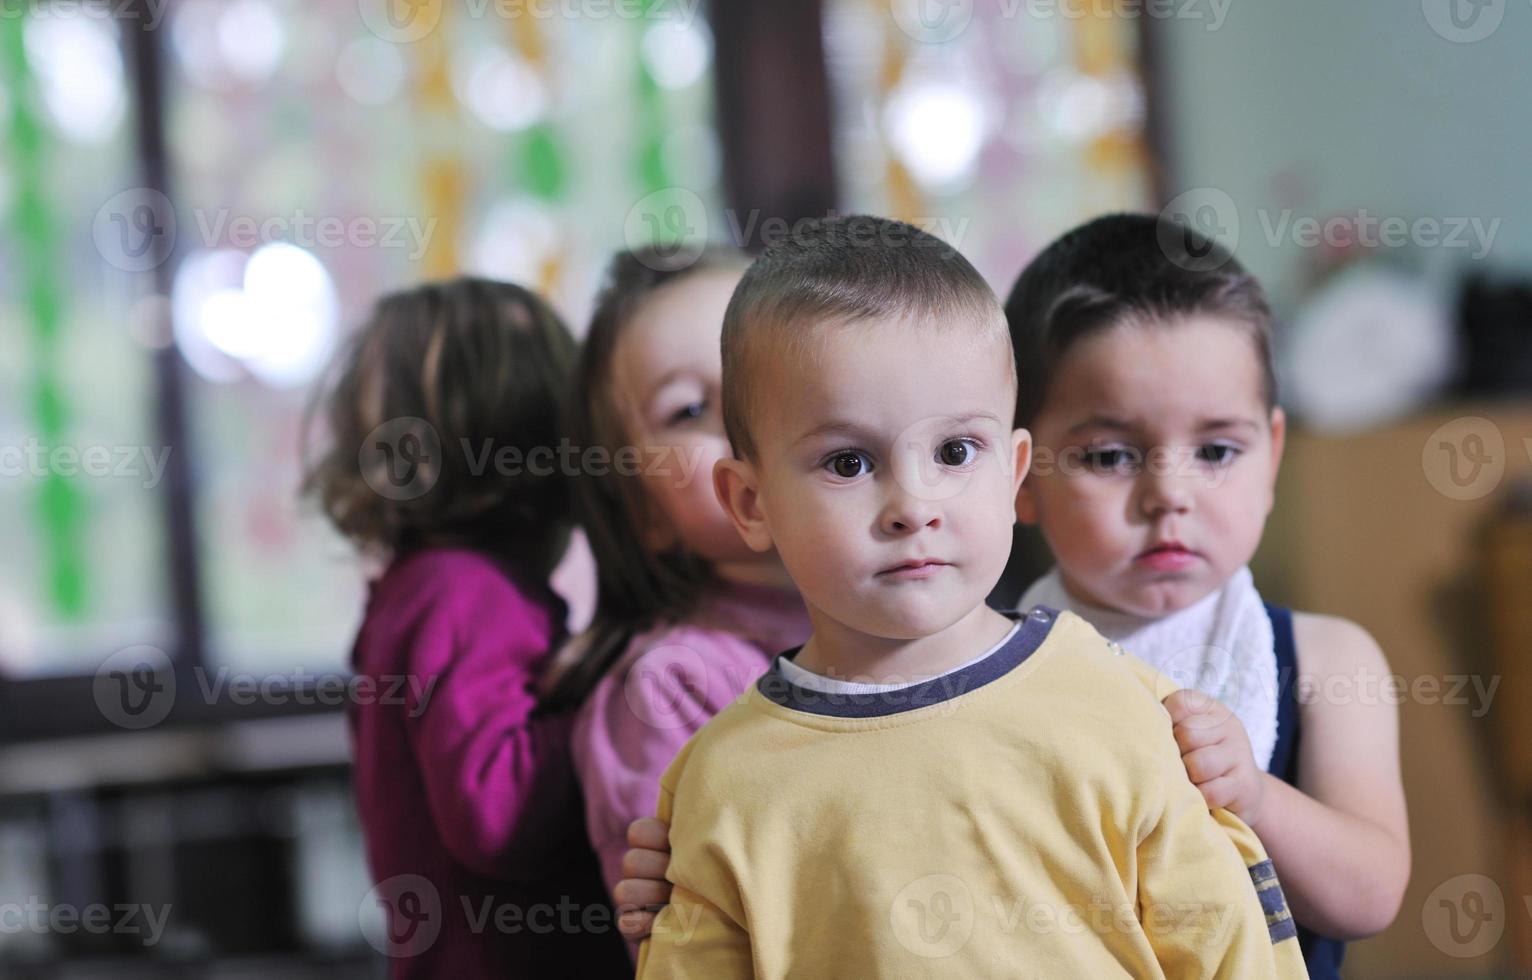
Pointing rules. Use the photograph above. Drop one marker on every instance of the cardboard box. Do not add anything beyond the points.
(1386, 529)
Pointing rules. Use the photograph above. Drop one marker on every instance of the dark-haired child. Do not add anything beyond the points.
(1144, 352)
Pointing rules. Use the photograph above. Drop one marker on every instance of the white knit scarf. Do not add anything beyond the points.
(1221, 645)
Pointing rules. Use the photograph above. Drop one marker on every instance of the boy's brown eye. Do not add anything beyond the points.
(1217, 452)
(955, 453)
(1110, 460)
(847, 465)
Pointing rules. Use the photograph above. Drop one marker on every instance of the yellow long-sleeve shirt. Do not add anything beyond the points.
(1026, 816)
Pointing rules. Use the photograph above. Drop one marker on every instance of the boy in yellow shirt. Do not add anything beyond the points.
(927, 787)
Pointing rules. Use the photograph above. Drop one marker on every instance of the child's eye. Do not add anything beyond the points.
(1218, 453)
(690, 411)
(957, 452)
(849, 465)
(1112, 459)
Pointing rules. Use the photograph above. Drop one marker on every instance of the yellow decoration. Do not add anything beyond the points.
(905, 202)
(442, 176)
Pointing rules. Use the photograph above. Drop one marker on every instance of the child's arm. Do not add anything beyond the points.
(1343, 844)
(1343, 850)
(493, 772)
(1208, 898)
(694, 940)
(693, 937)
(634, 724)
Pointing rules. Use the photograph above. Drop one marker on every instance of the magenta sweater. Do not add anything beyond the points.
(467, 795)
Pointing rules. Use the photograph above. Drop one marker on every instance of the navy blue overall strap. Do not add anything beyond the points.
(1321, 954)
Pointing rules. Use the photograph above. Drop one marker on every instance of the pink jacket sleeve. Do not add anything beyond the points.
(497, 778)
(664, 689)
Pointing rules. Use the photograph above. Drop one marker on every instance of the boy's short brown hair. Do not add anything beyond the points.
(1127, 268)
(844, 269)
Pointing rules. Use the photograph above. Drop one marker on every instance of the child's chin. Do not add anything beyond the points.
(917, 620)
(1163, 598)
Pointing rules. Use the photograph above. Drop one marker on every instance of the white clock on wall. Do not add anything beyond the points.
(1367, 348)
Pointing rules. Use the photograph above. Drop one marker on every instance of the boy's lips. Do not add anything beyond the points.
(914, 568)
(1167, 556)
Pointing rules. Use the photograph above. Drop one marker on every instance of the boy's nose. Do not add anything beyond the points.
(906, 512)
(1158, 505)
(1165, 494)
(914, 523)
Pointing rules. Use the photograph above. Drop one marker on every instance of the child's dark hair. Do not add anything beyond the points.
(636, 588)
(1125, 268)
(846, 268)
(466, 369)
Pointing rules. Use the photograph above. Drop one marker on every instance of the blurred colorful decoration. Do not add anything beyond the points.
(652, 173)
(1109, 94)
(321, 157)
(994, 127)
(670, 219)
(541, 166)
(271, 315)
(442, 172)
(60, 505)
(904, 198)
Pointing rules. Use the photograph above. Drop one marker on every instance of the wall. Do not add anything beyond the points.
(1330, 108)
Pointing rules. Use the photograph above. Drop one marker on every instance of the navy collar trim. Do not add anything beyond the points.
(1035, 627)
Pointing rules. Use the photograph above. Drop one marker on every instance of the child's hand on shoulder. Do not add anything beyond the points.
(1216, 752)
(643, 889)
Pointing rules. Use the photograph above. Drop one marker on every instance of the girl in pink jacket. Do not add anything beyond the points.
(687, 616)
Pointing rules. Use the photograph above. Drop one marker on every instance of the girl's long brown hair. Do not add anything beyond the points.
(636, 587)
(482, 364)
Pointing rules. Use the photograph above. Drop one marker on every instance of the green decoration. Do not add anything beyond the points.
(60, 504)
(652, 173)
(542, 163)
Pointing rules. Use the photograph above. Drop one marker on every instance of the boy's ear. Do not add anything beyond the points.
(737, 486)
(1026, 503)
(1021, 452)
(1278, 441)
(1026, 506)
(1278, 436)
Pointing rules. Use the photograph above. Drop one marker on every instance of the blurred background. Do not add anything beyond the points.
(199, 199)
